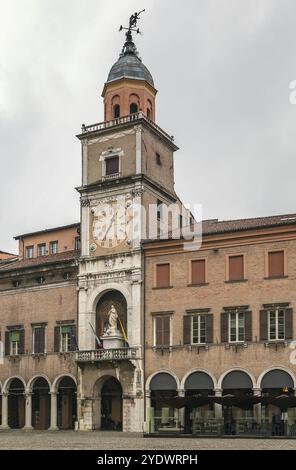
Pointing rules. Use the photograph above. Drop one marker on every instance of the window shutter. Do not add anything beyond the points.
(163, 275)
(7, 343)
(57, 338)
(39, 340)
(209, 328)
(236, 268)
(289, 323)
(158, 331)
(248, 326)
(275, 263)
(198, 271)
(166, 331)
(21, 349)
(187, 320)
(263, 325)
(73, 334)
(112, 165)
(224, 327)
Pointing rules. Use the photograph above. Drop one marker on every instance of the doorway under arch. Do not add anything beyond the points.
(16, 404)
(111, 405)
(40, 404)
(67, 403)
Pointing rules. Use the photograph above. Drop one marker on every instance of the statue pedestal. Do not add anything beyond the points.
(113, 341)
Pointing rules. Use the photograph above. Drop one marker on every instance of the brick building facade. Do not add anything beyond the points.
(208, 325)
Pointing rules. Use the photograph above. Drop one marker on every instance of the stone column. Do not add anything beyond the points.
(4, 424)
(181, 393)
(149, 425)
(218, 408)
(53, 412)
(257, 408)
(28, 412)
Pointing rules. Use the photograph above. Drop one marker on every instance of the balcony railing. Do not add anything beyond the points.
(123, 120)
(100, 355)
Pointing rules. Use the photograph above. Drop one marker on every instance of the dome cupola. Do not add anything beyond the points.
(129, 87)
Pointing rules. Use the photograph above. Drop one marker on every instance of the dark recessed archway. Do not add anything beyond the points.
(111, 405)
(16, 404)
(67, 403)
(40, 404)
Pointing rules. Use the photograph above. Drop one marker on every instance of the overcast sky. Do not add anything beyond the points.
(222, 68)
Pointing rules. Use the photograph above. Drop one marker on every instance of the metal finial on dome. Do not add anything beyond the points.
(129, 46)
(129, 64)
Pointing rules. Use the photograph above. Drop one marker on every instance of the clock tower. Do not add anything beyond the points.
(127, 166)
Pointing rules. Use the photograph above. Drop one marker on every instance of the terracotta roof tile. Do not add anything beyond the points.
(41, 260)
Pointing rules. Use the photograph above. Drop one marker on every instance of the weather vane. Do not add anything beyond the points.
(133, 23)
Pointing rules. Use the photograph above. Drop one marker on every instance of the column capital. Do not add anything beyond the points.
(181, 392)
(218, 392)
(257, 391)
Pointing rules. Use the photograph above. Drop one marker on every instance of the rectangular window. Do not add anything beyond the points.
(162, 331)
(41, 249)
(53, 247)
(198, 329)
(163, 275)
(198, 271)
(276, 325)
(159, 209)
(29, 252)
(66, 339)
(236, 327)
(77, 243)
(38, 339)
(236, 268)
(14, 338)
(276, 265)
(112, 166)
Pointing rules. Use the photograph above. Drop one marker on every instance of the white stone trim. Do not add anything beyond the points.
(236, 369)
(9, 380)
(284, 369)
(30, 384)
(138, 130)
(185, 377)
(56, 382)
(162, 371)
(84, 162)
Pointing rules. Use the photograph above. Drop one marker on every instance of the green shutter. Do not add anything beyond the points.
(15, 336)
(66, 329)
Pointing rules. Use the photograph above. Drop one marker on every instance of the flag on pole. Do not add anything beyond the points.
(123, 333)
(99, 343)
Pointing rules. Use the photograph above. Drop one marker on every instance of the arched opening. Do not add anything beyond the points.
(116, 111)
(40, 404)
(149, 110)
(117, 299)
(237, 384)
(16, 404)
(198, 384)
(111, 405)
(281, 419)
(67, 403)
(133, 108)
(163, 417)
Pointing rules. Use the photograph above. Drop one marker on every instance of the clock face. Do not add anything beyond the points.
(111, 224)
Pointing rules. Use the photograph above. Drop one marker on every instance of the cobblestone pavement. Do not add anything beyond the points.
(112, 441)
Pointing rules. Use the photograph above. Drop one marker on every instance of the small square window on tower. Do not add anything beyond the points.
(112, 166)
